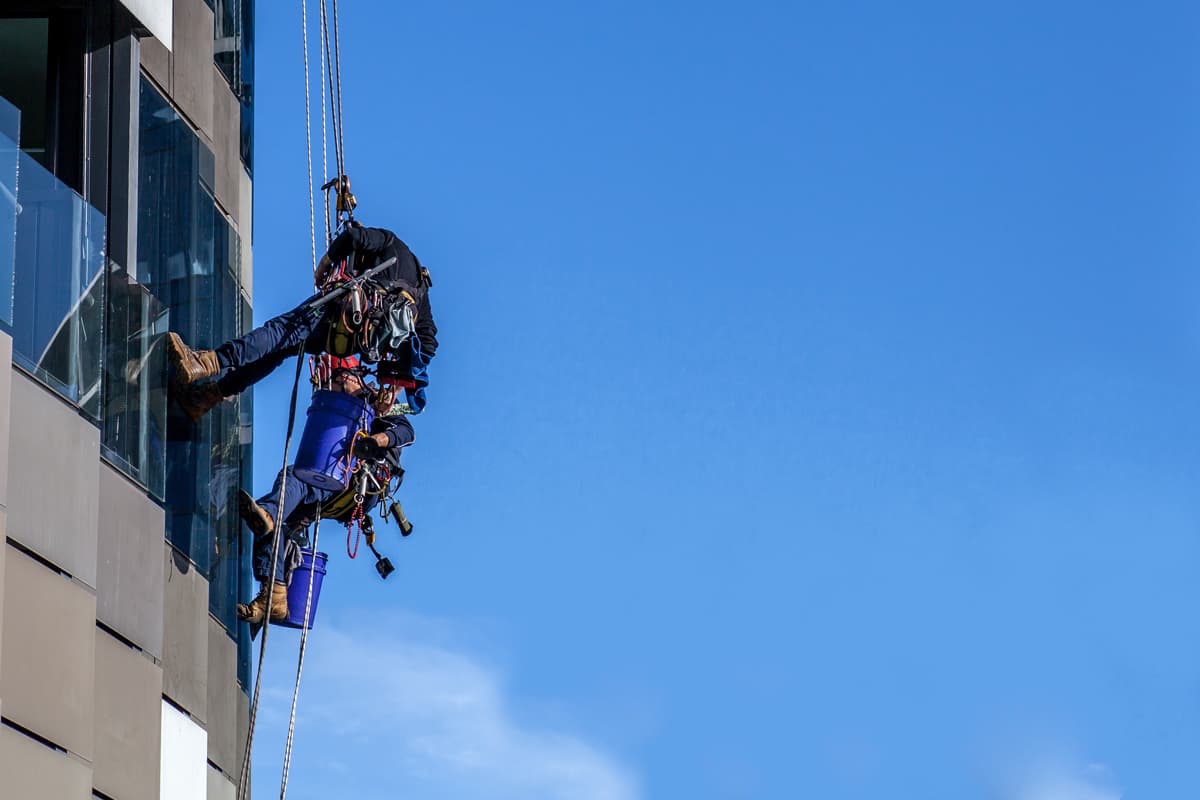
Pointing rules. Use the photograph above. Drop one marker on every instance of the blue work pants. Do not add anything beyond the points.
(299, 495)
(249, 359)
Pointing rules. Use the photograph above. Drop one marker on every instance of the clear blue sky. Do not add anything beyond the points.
(816, 409)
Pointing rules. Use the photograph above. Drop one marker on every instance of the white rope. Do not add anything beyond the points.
(324, 130)
(244, 778)
(312, 211)
(312, 573)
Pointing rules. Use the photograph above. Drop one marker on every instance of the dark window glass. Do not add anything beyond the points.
(247, 93)
(42, 76)
(10, 126)
(189, 261)
(227, 46)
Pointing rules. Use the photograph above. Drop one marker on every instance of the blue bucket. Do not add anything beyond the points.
(333, 419)
(298, 589)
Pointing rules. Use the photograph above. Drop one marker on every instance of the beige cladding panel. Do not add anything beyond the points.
(128, 718)
(129, 579)
(29, 770)
(227, 131)
(47, 663)
(191, 62)
(6, 378)
(156, 60)
(222, 703)
(219, 786)
(54, 474)
(185, 635)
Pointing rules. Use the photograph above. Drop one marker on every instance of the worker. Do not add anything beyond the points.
(301, 502)
(399, 329)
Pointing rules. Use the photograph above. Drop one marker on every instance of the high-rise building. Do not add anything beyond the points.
(126, 145)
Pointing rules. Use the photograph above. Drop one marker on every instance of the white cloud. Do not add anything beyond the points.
(1064, 782)
(407, 713)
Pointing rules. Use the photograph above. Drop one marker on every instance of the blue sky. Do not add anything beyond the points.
(815, 409)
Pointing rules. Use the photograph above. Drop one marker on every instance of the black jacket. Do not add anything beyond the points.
(370, 246)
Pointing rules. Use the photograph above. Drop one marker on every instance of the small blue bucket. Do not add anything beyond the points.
(333, 419)
(298, 589)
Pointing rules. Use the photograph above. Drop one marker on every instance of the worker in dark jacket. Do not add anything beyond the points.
(388, 436)
(244, 361)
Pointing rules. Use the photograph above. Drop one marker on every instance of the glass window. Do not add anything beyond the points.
(189, 263)
(227, 46)
(247, 92)
(57, 305)
(10, 126)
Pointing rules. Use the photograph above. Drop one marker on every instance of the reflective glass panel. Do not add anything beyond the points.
(58, 290)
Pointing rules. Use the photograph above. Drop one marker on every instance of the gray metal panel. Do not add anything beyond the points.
(47, 670)
(32, 770)
(156, 60)
(227, 120)
(243, 727)
(223, 691)
(246, 231)
(192, 63)
(128, 720)
(222, 705)
(219, 786)
(53, 454)
(129, 581)
(185, 635)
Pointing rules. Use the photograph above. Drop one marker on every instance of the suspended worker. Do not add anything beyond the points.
(301, 502)
(386, 320)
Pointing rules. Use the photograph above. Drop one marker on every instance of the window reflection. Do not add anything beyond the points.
(189, 263)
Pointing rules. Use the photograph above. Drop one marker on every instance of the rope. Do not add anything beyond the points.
(244, 778)
(312, 573)
(312, 210)
(324, 132)
(340, 131)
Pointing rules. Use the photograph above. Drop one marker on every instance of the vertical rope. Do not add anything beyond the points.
(340, 131)
(244, 777)
(312, 211)
(312, 573)
(324, 130)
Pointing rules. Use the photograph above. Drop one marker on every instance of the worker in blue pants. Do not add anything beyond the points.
(388, 436)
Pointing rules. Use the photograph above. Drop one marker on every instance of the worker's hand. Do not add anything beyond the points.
(371, 446)
(323, 267)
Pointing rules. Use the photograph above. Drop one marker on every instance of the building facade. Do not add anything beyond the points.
(126, 163)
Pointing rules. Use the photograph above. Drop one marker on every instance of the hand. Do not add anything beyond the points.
(371, 446)
(323, 267)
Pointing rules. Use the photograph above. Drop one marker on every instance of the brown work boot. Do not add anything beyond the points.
(190, 365)
(254, 515)
(199, 399)
(273, 594)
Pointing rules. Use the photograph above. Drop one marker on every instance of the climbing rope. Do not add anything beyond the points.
(244, 778)
(312, 573)
(330, 64)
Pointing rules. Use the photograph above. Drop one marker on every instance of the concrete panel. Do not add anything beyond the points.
(243, 727)
(47, 665)
(129, 569)
(192, 62)
(155, 15)
(5, 407)
(183, 772)
(219, 786)
(185, 635)
(128, 718)
(54, 479)
(227, 115)
(245, 223)
(222, 705)
(29, 770)
(156, 60)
